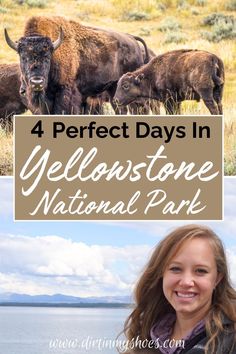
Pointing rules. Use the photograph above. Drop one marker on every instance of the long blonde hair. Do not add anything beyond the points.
(150, 300)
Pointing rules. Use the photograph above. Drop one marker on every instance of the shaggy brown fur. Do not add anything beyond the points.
(87, 62)
(11, 101)
(76, 40)
(174, 77)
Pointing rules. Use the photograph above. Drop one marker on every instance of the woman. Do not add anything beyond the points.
(184, 300)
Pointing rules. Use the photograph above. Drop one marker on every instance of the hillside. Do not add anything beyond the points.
(60, 299)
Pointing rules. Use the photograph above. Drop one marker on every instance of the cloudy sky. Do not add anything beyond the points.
(87, 258)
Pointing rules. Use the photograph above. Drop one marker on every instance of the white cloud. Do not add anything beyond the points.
(229, 185)
(231, 257)
(6, 196)
(52, 264)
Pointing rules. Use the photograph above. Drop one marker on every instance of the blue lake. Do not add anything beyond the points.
(44, 330)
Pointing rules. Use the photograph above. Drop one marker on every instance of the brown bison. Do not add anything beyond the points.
(63, 62)
(140, 105)
(174, 77)
(11, 102)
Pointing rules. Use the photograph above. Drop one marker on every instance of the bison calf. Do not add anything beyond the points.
(174, 77)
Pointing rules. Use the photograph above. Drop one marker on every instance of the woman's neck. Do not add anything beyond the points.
(184, 325)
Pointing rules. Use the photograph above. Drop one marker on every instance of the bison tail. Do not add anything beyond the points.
(147, 57)
(218, 73)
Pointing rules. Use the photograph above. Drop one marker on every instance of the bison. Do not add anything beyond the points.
(11, 102)
(174, 77)
(141, 105)
(63, 62)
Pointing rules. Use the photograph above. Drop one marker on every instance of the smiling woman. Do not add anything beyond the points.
(184, 300)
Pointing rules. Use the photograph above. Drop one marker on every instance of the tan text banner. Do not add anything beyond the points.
(118, 168)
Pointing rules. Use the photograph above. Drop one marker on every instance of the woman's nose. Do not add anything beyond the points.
(186, 279)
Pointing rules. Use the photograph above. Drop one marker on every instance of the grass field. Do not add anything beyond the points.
(165, 25)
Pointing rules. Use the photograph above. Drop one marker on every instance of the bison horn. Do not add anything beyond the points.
(11, 44)
(59, 40)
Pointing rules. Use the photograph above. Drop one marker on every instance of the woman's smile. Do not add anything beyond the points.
(190, 278)
(185, 295)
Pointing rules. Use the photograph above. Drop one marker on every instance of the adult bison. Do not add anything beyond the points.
(11, 101)
(174, 77)
(63, 62)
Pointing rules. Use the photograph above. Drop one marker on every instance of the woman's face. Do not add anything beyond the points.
(190, 278)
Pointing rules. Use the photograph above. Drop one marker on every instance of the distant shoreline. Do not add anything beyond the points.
(76, 305)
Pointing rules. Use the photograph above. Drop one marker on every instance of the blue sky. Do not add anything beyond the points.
(87, 258)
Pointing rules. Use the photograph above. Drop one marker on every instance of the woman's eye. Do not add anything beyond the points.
(201, 271)
(125, 87)
(175, 269)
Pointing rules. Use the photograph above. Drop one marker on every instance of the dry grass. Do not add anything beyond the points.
(230, 148)
(112, 14)
(6, 156)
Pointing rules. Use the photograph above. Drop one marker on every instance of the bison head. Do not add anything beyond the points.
(35, 58)
(129, 88)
